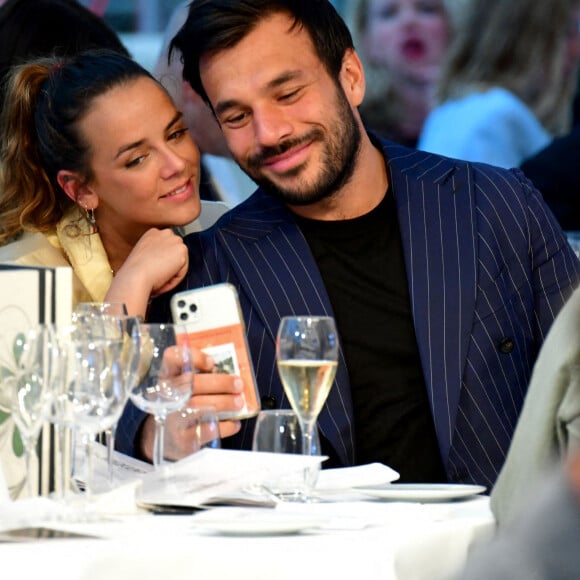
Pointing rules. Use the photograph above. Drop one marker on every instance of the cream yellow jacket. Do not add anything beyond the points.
(85, 253)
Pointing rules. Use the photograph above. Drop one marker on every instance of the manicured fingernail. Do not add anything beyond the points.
(238, 385)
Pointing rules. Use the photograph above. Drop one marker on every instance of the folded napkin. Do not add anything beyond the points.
(344, 478)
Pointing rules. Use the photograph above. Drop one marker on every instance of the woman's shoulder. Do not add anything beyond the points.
(33, 249)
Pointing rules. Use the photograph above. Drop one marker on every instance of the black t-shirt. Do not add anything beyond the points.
(362, 265)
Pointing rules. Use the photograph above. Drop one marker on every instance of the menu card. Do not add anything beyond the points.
(29, 295)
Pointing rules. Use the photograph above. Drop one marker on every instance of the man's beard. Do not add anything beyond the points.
(338, 160)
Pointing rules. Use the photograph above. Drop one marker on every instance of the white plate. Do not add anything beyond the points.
(422, 491)
(252, 524)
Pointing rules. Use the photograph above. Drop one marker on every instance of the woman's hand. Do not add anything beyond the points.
(157, 263)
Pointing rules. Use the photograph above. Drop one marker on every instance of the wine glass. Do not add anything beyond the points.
(108, 318)
(278, 431)
(28, 364)
(307, 357)
(59, 413)
(194, 428)
(86, 310)
(165, 377)
(94, 385)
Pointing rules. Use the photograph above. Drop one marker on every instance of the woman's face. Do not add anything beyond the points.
(407, 37)
(145, 164)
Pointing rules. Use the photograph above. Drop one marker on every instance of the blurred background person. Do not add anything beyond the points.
(33, 28)
(555, 170)
(221, 178)
(542, 542)
(402, 44)
(548, 428)
(507, 85)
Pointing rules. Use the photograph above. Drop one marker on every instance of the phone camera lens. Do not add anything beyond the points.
(193, 307)
(183, 316)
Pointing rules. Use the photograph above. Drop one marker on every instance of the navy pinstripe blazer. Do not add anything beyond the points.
(488, 269)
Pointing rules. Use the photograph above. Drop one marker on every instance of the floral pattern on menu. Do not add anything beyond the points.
(11, 445)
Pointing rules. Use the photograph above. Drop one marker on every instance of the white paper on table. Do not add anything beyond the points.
(125, 469)
(213, 473)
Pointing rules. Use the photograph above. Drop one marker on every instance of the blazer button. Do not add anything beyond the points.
(506, 345)
(268, 402)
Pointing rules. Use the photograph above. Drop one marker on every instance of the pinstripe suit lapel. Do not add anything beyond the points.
(280, 278)
(438, 231)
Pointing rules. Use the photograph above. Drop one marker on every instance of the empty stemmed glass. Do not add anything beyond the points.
(278, 431)
(165, 377)
(106, 319)
(194, 428)
(94, 384)
(307, 358)
(27, 366)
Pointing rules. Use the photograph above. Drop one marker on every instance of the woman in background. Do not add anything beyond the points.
(35, 28)
(507, 86)
(402, 44)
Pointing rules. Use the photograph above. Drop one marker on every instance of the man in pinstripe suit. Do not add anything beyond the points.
(443, 276)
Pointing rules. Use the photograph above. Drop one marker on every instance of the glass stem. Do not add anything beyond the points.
(307, 436)
(59, 466)
(159, 442)
(86, 438)
(29, 447)
(110, 435)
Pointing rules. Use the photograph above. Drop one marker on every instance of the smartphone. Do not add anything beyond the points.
(213, 320)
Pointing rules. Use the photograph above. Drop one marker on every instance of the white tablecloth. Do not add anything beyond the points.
(360, 539)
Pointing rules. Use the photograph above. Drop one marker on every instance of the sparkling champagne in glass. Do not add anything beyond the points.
(307, 357)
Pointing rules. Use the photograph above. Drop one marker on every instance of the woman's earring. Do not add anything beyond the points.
(90, 215)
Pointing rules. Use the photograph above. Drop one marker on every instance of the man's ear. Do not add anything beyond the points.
(77, 189)
(352, 77)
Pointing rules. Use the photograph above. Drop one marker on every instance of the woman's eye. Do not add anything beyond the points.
(135, 162)
(177, 134)
(430, 8)
(386, 12)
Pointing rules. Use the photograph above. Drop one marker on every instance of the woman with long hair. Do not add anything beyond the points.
(507, 86)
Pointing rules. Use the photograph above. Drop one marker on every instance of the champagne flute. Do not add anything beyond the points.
(28, 365)
(307, 357)
(165, 377)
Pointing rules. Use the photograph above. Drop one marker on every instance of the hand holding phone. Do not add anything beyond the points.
(213, 320)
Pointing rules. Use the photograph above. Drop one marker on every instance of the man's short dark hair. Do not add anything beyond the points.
(215, 25)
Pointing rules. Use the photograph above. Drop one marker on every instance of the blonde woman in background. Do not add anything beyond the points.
(402, 44)
(507, 85)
